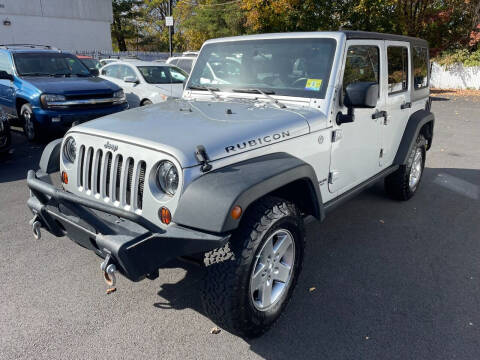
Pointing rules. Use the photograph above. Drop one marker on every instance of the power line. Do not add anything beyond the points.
(211, 5)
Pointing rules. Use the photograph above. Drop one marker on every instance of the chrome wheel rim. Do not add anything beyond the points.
(272, 270)
(416, 170)
(29, 127)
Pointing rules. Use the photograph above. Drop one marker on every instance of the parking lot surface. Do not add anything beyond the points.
(382, 279)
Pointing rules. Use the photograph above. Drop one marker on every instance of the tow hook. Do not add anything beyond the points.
(36, 226)
(108, 271)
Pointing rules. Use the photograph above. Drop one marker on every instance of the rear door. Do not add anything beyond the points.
(398, 99)
(134, 95)
(356, 145)
(177, 79)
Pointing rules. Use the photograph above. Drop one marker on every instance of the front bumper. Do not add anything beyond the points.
(64, 118)
(136, 246)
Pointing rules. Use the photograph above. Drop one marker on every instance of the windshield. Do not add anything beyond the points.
(163, 74)
(49, 64)
(289, 67)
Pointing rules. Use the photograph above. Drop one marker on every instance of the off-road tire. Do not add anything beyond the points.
(226, 291)
(397, 184)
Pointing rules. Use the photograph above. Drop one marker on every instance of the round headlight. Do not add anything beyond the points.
(167, 177)
(70, 149)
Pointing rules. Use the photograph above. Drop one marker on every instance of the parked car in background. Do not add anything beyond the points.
(184, 62)
(104, 62)
(145, 82)
(90, 62)
(49, 90)
(5, 135)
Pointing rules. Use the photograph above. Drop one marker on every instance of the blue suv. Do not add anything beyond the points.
(50, 90)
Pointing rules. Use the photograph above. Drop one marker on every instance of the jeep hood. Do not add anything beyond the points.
(72, 85)
(224, 128)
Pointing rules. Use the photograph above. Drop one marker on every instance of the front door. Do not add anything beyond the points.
(7, 90)
(398, 98)
(356, 145)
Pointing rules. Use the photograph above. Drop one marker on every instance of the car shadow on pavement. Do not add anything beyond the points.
(25, 156)
(381, 280)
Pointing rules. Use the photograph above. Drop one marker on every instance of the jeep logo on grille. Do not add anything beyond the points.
(110, 146)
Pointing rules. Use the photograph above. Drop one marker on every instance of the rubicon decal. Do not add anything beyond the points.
(258, 141)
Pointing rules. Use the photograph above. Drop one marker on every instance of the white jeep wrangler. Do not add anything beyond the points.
(271, 129)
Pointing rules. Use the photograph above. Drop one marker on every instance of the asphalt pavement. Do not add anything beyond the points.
(391, 280)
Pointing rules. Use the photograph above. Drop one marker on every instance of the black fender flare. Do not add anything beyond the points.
(207, 202)
(415, 123)
(50, 160)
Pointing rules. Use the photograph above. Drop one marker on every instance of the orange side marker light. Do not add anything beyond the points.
(165, 216)
(236, 212)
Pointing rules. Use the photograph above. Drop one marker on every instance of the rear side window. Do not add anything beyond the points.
(362, 65)
(111, 71)
(397, 69)
(5, 63)
(126, 71)
(420, 67)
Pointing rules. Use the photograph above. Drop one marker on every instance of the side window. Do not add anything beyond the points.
(111, 71)
(176, 75)
(127, 71)
(420, 67)
(362, 64)
(397, 57)
(5, 63)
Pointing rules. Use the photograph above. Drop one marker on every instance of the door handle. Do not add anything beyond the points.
(379, 114)
(407, 105)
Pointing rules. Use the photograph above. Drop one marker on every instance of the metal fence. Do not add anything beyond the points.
(142, 55)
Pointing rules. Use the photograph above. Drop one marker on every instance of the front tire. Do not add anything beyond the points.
(30, 127)
(249, 282)
(403, 183)
(146, 102)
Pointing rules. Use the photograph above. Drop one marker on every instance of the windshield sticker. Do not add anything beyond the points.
(313, 84)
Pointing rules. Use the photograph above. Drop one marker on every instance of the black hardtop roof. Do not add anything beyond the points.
(352, 34)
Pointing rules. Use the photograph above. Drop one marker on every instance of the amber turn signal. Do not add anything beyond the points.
(236, 212)
(165, 216)
(64, 177)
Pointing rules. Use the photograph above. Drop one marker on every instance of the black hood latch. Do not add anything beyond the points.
(202, 158)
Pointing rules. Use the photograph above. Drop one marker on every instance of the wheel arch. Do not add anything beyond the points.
(19, 102)
(420, 122)
(208, 201)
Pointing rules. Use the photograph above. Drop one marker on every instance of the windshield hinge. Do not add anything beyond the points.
(202, 158)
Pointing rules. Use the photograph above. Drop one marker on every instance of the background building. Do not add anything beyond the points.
(65, 24)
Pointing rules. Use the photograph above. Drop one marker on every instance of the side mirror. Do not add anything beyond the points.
(131, 79)
(94, 72)
(361, 95)
(358, 95)
(5, 76)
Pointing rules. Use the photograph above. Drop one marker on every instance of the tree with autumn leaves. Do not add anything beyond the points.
(446, 24)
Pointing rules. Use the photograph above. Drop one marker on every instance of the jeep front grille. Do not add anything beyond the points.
(109, 176)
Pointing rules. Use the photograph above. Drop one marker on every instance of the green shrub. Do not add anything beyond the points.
(463, 56)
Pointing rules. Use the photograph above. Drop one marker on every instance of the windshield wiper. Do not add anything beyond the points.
(206, 88)
(36, 74)
(264, 93)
